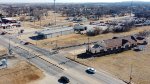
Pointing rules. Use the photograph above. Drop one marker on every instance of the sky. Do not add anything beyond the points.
(63, 1)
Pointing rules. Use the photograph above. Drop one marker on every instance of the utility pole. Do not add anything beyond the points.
(131, 8)
(88, 43)
(102, 12)
(36, 40)
(56, 46)
(40, 22)
(130, 80)
(29, 12)
(74, 55)
(9, 44)
(9, 49)
(29, 56)
(10, 52)
(55, 11)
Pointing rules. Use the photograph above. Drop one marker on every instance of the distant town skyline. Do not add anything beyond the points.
(64, 1)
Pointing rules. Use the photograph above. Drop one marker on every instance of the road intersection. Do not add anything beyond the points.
(57, 65)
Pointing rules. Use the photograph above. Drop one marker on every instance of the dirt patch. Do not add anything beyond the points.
(32, 77)
(47, 79)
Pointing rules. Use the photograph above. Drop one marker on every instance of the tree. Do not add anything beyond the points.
(1, 15)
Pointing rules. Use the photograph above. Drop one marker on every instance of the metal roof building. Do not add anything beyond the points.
(49, 33)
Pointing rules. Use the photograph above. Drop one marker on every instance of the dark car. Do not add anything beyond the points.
(64, 79)
(25, 42)
(3, 33)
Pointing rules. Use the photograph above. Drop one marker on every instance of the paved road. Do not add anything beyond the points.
(75, 72)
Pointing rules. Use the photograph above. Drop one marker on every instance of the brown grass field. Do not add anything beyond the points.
(74, 39)
(116, 64)
(120, 64)
(21, 73)
(45, 21)
(2, 50)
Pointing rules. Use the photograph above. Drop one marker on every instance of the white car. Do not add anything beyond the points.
(91, 70)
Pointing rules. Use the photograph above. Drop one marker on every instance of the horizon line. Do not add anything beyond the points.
(66, 2)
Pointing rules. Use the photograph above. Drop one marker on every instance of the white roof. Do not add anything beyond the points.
(50, 31)
(4, 24)
(9, 18)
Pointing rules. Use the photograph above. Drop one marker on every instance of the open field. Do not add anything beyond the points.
(50, 19)
(45, 20)
(120, 64)
(116, 64)
(27, 58)
(22, 73)
(74, 39)
(19, 72)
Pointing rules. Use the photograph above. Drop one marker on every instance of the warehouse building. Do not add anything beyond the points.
(49, 33)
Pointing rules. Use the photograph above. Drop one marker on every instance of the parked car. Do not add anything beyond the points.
(21, 31)
(146, 23)
(64, 79)
(91, 70)
(24, 42)
(3, 33)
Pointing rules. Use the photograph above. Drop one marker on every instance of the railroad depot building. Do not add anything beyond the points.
(116, 45)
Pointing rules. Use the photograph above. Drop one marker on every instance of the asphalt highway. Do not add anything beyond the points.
(74, 71)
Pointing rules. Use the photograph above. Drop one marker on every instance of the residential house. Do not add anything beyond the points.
(116, 45)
